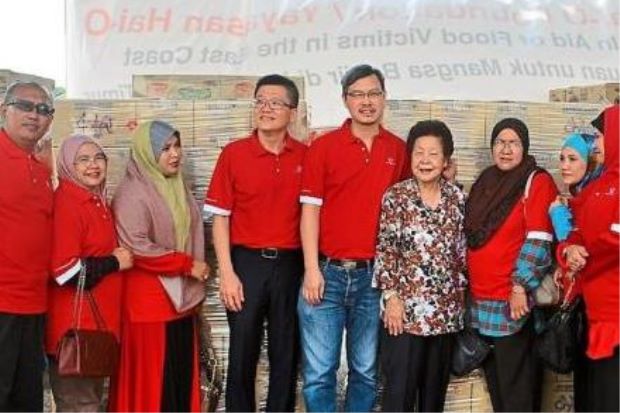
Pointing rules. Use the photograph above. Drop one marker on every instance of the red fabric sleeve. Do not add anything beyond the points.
(66, 239)
(542, 193)
(220, 193)
(173, 264)
(312, 181)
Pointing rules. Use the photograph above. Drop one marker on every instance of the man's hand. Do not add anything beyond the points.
(313, 287)
(231, 291)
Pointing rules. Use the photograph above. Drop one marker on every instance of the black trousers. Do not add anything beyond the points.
(178, 365)
(21, 362)
(603, 384)
(270, 287)
(513, 373)
(416, 369)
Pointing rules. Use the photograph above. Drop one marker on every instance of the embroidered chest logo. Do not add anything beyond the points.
(390, 161)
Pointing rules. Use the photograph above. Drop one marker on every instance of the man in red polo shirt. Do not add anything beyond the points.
(25, 247)
(346, 172)
(254, 198)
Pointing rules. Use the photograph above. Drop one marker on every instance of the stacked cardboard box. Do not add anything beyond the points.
(7, 77)
(606, 93)
(201, 87)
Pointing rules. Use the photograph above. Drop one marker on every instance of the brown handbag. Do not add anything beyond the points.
(87, 353)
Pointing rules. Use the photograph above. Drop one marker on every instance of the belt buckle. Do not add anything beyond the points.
(349, 264)
(269, 253)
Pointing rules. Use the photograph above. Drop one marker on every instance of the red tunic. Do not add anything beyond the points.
(26, 200)
(83, 227)
(492, 265)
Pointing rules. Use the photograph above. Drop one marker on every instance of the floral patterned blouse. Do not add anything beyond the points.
(421, 255)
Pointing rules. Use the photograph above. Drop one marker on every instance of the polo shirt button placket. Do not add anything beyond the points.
(277, 164)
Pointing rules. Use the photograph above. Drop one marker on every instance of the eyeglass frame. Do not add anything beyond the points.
(374, 94)
(42, 109)
(259, 103)
(86, 160)
(502, 145)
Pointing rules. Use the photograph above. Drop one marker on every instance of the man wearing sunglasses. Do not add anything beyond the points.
(25, 245)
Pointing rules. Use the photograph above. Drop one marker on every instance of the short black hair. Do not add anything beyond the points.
(358, 72)
(279, 80)
(433, 128)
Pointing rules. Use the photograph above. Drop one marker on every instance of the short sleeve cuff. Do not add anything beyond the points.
(212, 209)
(311, 200)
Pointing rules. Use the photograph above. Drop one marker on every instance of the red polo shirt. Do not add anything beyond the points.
(25, 230)
(83, 227)
(259, 190)
(348, 182)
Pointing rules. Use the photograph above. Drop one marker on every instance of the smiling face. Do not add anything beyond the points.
(572, 167)
(365, 100)
(169, 162)
(272, 111)
(427, 159)
(507, 150)
(26, 128)
(90, 166)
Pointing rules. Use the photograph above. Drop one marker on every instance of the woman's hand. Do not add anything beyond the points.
(518, 302)
(394, 315)
(124, 258)
(576, 257)
(200, 270)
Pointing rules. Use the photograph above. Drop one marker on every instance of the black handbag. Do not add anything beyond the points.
(470, 350)
(557, 345)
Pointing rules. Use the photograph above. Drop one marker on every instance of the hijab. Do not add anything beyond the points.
(65, 162)
(496, 192)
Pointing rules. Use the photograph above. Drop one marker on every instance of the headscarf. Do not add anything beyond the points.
(583, 144)
(65, 162)
(495, 192)
(149, 140)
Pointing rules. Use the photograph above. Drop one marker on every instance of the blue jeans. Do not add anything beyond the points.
(349, 302)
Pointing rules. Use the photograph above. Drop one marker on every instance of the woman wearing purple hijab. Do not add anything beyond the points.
(84, 239)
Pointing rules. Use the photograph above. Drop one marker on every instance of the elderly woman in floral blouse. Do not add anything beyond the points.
(419, 266)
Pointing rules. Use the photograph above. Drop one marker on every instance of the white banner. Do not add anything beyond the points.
(427, 49)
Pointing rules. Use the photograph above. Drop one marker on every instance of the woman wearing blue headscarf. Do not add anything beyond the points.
(578, 167)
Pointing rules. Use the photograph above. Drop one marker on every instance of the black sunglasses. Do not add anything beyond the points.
(42, 109)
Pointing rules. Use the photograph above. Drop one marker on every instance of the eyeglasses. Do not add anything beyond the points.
(85, 160)
(42, 109)
(503, 145)
(371, 94)
(274, 104)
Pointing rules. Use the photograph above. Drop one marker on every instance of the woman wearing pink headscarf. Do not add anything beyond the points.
(84, 239)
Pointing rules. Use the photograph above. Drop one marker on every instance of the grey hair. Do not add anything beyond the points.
(358, 72)
(18, 84)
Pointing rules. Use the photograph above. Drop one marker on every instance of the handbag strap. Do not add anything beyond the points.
(78, 301)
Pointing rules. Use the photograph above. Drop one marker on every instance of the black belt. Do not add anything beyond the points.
(347, 264)
(271, 253)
